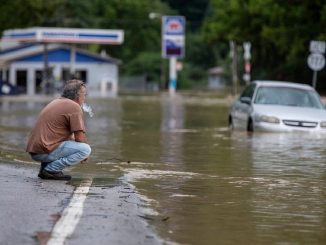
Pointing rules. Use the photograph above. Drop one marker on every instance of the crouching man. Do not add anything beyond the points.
(58, 138)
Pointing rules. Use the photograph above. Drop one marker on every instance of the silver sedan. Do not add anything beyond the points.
(278, 106)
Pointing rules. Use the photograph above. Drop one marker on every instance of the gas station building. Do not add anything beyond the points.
(31, 52)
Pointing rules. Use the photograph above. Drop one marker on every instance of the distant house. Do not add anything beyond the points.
(23, 65)
(215, 78)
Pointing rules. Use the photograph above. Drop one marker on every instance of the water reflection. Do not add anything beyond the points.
(16, 119)
(171, 129)
(288, 192)
(104, 131)
(140, 131)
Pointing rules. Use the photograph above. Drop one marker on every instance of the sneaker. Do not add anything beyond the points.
(42, 167)
(53, 175)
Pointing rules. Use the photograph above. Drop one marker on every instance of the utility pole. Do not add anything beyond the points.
(234, 66)
(162, 84)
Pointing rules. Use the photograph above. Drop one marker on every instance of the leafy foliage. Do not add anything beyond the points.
(26, 13)
(280, 32)
(147, 63)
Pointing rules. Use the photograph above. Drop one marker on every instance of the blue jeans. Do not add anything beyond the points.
(67, 154)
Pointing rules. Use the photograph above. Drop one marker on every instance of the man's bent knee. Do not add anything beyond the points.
(85, 150)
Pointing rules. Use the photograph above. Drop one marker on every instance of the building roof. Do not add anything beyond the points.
(56, 53)
(218, 70)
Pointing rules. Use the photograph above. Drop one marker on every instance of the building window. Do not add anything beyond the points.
(38, 81)
(79, 74)
(21, 78)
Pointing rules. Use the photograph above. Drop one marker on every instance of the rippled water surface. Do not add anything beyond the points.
(200, 183)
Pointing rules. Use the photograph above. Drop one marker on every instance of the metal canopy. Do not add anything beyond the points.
(64, 35)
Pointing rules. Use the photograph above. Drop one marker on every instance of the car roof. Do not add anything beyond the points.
(282, 84)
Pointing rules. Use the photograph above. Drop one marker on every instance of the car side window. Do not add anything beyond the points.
(249, 91)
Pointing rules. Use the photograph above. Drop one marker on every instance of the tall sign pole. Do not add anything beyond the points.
(173, 45)
(316, 59)
(247, 65)
(173, 76)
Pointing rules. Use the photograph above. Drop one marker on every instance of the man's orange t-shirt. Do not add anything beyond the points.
(56, 123)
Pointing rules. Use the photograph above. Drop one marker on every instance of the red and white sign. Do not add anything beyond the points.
(173, 40)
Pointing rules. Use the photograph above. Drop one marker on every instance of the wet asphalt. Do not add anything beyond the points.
(30, 207)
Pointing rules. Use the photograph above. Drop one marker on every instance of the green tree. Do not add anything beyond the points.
(26, 13)
(193, 10)
(279, 31)
(142, 35)
(146, 63)
(76, 13)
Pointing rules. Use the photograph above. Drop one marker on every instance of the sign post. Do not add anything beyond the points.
(173, 45)
(247, 65)
(316, 60)
(173, 76)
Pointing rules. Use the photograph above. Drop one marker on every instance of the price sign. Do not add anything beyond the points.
(173, 40)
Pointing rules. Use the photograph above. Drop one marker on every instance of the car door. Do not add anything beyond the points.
(242, 107)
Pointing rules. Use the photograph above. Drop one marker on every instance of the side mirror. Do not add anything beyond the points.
(245, 100)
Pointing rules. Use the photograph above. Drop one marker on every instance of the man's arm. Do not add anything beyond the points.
(80, 136)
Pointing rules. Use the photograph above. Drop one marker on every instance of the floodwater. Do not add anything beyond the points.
(199, 182)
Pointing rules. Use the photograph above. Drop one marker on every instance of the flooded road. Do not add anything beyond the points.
(200, 183)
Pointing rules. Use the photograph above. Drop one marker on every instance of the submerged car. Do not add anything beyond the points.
(278, 106)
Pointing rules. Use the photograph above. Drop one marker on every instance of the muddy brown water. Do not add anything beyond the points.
(199, 182)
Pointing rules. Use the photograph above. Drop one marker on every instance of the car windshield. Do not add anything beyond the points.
(287, 96)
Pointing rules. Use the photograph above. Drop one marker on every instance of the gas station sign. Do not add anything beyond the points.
(173, 36)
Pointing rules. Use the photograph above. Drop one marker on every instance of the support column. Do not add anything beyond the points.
(30, 82)
(12, 76)
(72, 60)
(4, 71)
(45, 75)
